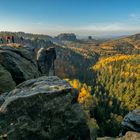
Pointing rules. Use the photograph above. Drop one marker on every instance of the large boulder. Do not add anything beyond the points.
(42, 109)
(6, 81)
(131, 121)
(131, 127)
(19, 62)
(128, 136)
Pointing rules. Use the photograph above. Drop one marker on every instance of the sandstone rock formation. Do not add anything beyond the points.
(18, 64)
(131, 121)
(128, 136)
(42, 109)
(6, 81)
(67, 37)
(131, 127)
(45, 60)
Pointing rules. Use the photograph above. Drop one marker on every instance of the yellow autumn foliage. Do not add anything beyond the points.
(84, 90)
(120, 76)
(104, 61)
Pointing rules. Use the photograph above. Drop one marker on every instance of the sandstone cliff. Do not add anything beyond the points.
(18, 64)
(67, 37)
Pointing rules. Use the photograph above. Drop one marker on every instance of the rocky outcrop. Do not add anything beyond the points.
(131, 127)
(106, 138)
(131, 121)
(42, 109)
(128, 136)
(67, 37)
(45, 60)
(6, 81)
(18, 64)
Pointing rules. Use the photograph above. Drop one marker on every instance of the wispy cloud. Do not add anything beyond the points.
(103, 27)
(39, 23)
(135, 17)
(95, 29)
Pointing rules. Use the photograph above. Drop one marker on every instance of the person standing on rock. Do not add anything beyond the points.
(1, 40)
(13, 39)
(8, 39)
(45, 60)
(21, 39)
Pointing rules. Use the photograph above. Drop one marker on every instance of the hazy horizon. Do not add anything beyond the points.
(85, 17)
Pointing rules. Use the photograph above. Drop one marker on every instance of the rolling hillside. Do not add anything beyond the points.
(126, 45)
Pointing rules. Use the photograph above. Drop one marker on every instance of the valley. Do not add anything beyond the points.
(105, 72)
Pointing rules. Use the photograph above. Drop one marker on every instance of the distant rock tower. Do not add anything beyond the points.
(45, 60)
(90, 37)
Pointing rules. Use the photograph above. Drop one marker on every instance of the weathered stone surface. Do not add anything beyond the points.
(19, 62)
(45, 60)
(128, 136)
(42, 109)
(6, 81)
(106, 138)
(131, 121)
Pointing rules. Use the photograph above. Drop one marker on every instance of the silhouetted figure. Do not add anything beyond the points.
(21, 38)
(13, 39)
(1, 40)
(8, 39)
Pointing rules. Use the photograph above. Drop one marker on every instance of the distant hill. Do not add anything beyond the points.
(74, 63)
(66, 37)
(71, 62)
(125, 45)
(116, 90)
(75, 57)
(122, 45)
(30, 36)
(106, 72)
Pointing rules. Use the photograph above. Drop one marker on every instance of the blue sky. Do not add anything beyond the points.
(83, 17)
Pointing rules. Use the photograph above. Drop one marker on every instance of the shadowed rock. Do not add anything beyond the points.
(6, 81)
(42, 109)
(45, 60)
(19, 63)
(131, 121)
